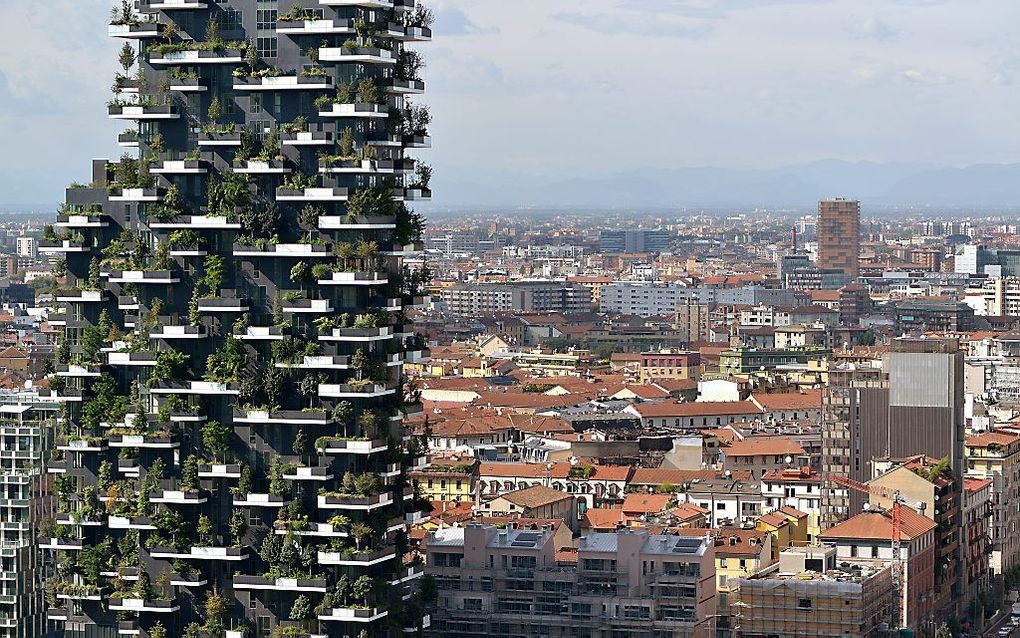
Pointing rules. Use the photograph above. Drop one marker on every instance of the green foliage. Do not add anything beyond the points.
(375, 201)
(238, 527)
(216, 439)
(215, 109)
(126, 57)
(301, 609)
(227, 363)
(170, 365)
(189, 474)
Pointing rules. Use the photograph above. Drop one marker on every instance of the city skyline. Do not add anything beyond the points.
(859, 82)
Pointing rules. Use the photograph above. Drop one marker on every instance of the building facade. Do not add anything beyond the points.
(839, 235)
(27, 512)
(510, 582)
(235, 327)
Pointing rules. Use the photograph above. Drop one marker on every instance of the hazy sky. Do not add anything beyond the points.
(566, 88)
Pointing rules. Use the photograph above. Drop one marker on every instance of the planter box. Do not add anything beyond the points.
(354, 502)
(333, 222)
(227, 56)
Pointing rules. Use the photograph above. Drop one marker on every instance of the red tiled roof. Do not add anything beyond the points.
(878, 526)
(809, 399)
(705, 408)
(763, 446)
(645, 503)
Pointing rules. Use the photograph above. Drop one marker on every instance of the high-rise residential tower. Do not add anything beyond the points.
(236, 327)
(839, 234)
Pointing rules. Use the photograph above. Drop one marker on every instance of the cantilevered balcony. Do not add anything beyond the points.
(417, 141)
(82, 445)
(356, 110)
(178, 497)
(142, 113)
(367, 4)
(356, 279)
(284, 83)
(358, 55)
(144, 441)
(362, 559)
(180, 167)
(188, 251)
(316, 530)
(72, 220)
(360, 447)
(299, 251)
(223, 56)
(62, 544)
(282, 417)
(142, 605)
(76, 371)
(405, 87)
(416, 194)
(315, 27)
(197, 222)
(219, 471)
(260, 333)
(141, 359)
(128, 139)
(189, 85)
(358, 335)
(336, 222)
(354, 391)
(319, 362)
(353, 614)
(171, 332)
(261, 167)
(172, 5)
(255, 499)
(136, 195)
(137, 31)
(358, 167)
(311, 194)
(162, 277)
(307, 138)
(308, 306)
(354, 502)
(409, 34)
(131, 522)
(222, 305)
(279, 584)
(197, 388)
(309, 474)
(219, 139)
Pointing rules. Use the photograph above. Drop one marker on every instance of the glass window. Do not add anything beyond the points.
(267, 47)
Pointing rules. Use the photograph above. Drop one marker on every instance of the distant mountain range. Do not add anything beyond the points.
(981, 188)
(798, 186)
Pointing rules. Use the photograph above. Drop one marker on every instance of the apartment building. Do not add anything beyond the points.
(512, 582)
(995, 456)
(869, 535)
(809, 593)
(669, 364)
(27, 511)
(262, 301)
(519, 296)
(799, 488)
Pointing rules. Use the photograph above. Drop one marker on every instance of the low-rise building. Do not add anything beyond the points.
(995, 456)
(534, 502)
(807, 593)
(730, 501)
(759, 455)
(869, 536)
(799, 488)
(514, 583)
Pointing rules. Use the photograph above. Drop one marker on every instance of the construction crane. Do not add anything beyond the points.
(899, 591)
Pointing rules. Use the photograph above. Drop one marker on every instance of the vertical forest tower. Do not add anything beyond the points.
(232, 459)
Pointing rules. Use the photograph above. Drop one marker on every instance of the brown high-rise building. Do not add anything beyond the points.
(839, 234)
